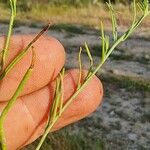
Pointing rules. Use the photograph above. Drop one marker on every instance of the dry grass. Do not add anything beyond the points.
(88, 16)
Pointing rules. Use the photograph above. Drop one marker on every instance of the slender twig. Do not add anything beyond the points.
(58, 107)
(113, 19)
(90, 58)
(12, 102)
(80, 68)
(7, 42)
(106, 51)
(61, 90)
(103, 41)
(23, 52)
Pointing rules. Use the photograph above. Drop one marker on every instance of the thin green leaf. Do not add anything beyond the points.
(103, 42)
(113, 19)
(135, 11)
(106, 44)
(144, 7)
(10, 28)
(80, 68)
(12, 101)
(22, 53)
(89, 54)
(90, 58)
(56, 100)
(61, 90)
(140, 7)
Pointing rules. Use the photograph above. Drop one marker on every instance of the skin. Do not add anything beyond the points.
(27, 119)
(50, 57)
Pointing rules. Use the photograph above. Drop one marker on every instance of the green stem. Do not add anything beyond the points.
(80, 67)
(7, 43)
(22, 53)
(115, 44)
(12, 102)
(46, 133)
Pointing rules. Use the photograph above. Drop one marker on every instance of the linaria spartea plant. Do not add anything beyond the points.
(58, 107)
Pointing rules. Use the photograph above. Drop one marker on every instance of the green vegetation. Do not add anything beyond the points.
(89, 14)
(122, 55)
(106, 49)
(63, 140)
(73, 2)
(57, 107)
(130, 83)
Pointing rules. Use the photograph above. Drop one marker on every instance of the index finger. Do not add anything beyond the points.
(50, 58)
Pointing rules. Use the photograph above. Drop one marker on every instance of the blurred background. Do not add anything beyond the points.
(122, 122)
(83, 12)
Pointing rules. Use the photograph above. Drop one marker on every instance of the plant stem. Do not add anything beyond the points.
(7, 42)
(46, 133)
(22, 53)
(12, 102)
(115, 44)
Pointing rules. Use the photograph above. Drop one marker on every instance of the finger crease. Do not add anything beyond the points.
(28, 111)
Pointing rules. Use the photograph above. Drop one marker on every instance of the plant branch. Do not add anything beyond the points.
(106, 51)
(7, 42)
(12, 102)
(23, 53)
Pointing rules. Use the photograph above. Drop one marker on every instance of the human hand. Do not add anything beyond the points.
(27, 118)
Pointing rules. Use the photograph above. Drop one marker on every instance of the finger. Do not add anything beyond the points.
(27, 119)
(50, 58)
